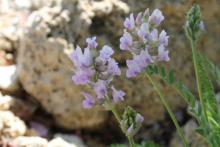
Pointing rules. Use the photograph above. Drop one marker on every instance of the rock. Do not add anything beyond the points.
(48, 78)
(61, 140)
(9, 79)
(10, 125)
(23, 141)
(194, 139)
(49, 81)
(22, 109)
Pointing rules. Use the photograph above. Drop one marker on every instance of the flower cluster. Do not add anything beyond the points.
(131, 121)
(96, 69)
(142, 38)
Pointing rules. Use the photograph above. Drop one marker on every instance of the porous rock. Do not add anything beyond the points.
(11, 125)
(193, 138)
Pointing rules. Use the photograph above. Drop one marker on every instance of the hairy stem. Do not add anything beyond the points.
(162, 99)
(194, 52)
(118, 118)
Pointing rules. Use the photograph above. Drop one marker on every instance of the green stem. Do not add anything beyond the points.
(161, 96)
(118, 118)
(194, 52)
(131, 142)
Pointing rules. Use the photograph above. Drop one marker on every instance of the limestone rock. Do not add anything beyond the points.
(48, 79)
(45, 70)
(10, 125)
(23, 141)
(9, 79)
(61, 140)
(194, 139)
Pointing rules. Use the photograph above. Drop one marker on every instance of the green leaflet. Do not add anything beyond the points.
(213, 69)
(204, 85)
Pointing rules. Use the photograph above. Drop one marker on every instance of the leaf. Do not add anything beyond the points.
(171, 76)
(213, 69)
(205, 87)
(163, 72)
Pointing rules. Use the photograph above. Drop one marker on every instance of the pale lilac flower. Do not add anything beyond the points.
(143, 32)
(138, 64)
(129, 23)
(91, 43)
(126, 41)
(106, 52)
(130, 130)
(156, 17)
(139, 118)
(88, 101)
(83, 76)
(139, 18)
(163, 38)
(117, 95)
(100, 89)
(202, 26)
(113, 67)
(154, 35)
(133, 68)
(81, 59)
(163, 54)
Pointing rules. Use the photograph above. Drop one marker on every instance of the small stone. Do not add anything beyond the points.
(62, 140)
(23, 141)
(10, 125)
(9, 79)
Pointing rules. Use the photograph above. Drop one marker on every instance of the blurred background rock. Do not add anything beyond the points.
(36, 37)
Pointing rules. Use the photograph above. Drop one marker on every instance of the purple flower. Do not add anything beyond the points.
(139, 18)
(91, 43)
(202, 26)
(113, 67)
(154, 35)
(106, 52)
(143, 32)
(133, 68)
(126, 41)
(129, 23)
(130, 130)
(163, 54)
(83, 76)
(139, 118)
(81, 59)
(118, 95)
(89, 101)
(156, 17)
(100, 89)
(138, 64)
(163, 38)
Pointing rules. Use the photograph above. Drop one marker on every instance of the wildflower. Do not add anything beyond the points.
(163, 38)
(113, 67)
(106, 52)
(126, 41)
(100, 89)
(156, 17)
(144, 42)
(91, 43)
(129, 22)
(89, 101)
(117, 95)
(81, 59)
(83, 76)
(163, 54)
